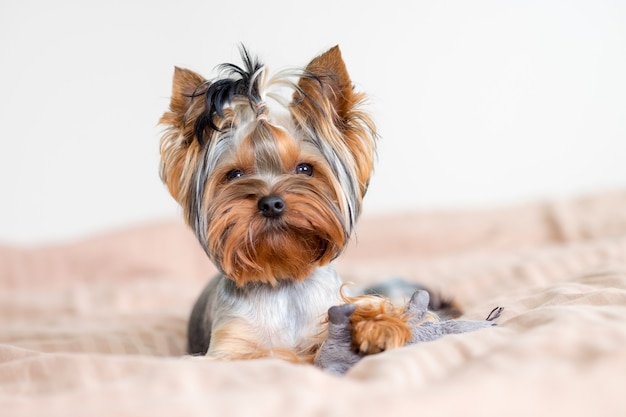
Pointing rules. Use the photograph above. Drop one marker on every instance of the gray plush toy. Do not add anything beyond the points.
(337, 354)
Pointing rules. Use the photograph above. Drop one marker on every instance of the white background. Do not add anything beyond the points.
(479, 103)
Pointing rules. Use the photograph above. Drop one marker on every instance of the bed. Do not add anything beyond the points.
(96, 327)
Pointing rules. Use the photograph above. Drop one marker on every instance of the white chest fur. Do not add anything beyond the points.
(285, 316)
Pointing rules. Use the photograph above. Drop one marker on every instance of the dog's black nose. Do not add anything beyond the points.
(271, 205)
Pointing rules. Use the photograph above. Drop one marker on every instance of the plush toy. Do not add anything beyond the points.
(338, 353)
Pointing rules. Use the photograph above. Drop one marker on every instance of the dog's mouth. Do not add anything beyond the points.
(276, 253)
(249, 245)
(286, 241)
(316, 246)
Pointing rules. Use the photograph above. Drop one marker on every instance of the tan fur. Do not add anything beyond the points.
(233, 342)
(377, 325)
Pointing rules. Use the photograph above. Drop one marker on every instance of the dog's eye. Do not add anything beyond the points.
(304, 168)
(234, 174)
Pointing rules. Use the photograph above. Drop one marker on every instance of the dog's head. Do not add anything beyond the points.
(270, 170)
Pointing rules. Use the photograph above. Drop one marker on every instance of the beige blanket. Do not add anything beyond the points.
(97, 328)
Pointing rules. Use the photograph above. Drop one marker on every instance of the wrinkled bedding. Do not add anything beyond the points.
(97, 327)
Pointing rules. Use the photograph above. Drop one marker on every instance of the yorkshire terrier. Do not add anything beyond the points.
(271, 171)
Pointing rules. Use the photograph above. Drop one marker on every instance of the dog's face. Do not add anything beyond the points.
(270, 171)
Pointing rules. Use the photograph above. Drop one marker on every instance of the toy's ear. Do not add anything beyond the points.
(336, 354)
(340, 315)
(418, 305)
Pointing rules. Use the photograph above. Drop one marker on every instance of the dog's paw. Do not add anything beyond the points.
(379, 333)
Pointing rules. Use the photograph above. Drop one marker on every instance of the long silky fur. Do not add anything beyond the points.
(243, 122)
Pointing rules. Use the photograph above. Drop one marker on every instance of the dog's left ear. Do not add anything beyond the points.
(327, 99)
(331, 72)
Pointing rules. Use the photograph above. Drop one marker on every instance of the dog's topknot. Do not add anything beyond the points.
(237, 82)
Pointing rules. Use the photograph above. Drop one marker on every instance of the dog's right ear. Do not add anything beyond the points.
(179, 150)
(185, 86)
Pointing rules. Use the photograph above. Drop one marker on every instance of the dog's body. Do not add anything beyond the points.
(230, 322)
(271, 172)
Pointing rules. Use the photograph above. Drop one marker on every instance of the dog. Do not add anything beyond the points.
(270, 170)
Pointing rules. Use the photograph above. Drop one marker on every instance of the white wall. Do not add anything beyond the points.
(478, 102)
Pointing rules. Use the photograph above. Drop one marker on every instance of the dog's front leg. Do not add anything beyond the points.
(233, 340)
